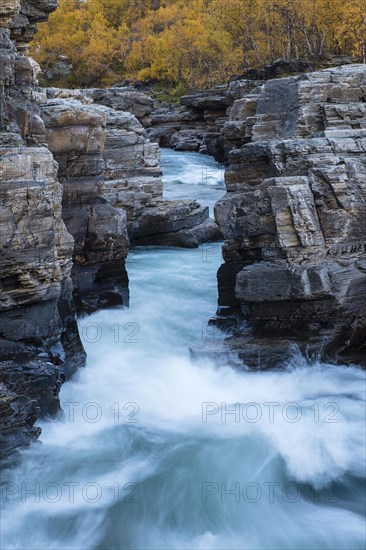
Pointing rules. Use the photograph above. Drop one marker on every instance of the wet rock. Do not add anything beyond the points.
(168, 121)
(186, 140)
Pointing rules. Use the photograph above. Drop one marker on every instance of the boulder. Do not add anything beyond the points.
(175, 223)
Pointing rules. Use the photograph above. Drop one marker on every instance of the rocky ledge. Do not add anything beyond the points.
(294, 218)
(206, 121)
(76, 135)
(198, 122)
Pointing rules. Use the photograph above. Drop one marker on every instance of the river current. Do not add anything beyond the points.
(156, 452)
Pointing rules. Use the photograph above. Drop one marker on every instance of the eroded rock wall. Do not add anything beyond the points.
(39, 340)
(76, 135)
(294, 218)
(124, 166)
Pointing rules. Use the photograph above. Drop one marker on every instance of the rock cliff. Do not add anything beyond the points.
(39, 340)
(293, 218)
(200, 121)
(80, 180)
(123, 165)
(76, 135)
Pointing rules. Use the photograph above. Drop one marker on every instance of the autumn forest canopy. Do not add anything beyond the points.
(193, 43)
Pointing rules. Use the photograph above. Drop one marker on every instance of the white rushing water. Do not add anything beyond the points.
(154, 452)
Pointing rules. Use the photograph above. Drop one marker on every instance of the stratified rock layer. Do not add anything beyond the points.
(76, 135)
(212, 121)
(39, 340)
(294, 219)
(121, 164)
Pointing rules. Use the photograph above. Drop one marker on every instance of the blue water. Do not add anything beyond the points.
(154, 452)
(192, 176)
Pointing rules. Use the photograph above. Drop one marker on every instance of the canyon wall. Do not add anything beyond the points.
(123, 168)
(199, 121)
(294, 218)
(76, 134)
(39, 340)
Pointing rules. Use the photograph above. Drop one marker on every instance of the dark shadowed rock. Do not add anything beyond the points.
(175, 223)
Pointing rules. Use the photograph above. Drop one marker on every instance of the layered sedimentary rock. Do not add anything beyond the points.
(294, 219)
(208, 122)
(195, 125)
(39, 340)
(132, 177)
(119, 98)
(76, 135)
(177, 127)
(200, 122)
(123, 168)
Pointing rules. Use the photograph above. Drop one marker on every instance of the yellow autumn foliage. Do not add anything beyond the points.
(196, 42)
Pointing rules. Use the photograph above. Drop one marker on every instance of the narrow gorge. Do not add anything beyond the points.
(167, 272)
(80, 182)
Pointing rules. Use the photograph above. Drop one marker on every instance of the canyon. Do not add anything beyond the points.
(81, 183)
(293, 217)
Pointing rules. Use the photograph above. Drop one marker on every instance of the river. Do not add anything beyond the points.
(156, 452)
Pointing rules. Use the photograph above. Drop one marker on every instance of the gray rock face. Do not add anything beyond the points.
(118, 98)
(182, 224)
(198, 123)
(294, 218)
(132, 167)
(216, 121)
(109, 148)
(177, 127)
(39, 339)
(193, 126)
(24, 21)
(76, 134)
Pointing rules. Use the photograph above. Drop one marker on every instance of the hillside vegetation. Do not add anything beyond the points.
(193, 43)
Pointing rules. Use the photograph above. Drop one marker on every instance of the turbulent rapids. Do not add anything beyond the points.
(153, 451)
